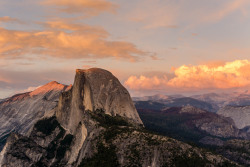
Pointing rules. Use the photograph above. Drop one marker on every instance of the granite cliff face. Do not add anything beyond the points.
(20, 112)
(240, 115)
(96, 124)
(95, 89)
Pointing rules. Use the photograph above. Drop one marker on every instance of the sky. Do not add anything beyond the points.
(152, 46)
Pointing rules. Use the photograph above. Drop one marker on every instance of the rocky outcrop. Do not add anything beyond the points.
(236, 150)
(213, 124)
(218, 126)
(93, 90)
(135, 147)
(20, 112)
(104, 91)
(240, 115)
(191, 110)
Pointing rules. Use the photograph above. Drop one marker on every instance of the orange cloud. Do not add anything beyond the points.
(66, 40)
(85, 7)
(5, 80)
(64, 25)
(146, 83)
(6, 19)
(224, 76)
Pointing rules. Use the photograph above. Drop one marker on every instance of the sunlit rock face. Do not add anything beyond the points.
(20, 112)
(109, 94)
(240, 115)
(95, 89)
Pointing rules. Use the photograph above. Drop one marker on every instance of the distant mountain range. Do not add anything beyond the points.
(225, 99)
(217, 100)
(162, 104)
(216, 121)
(233, 105)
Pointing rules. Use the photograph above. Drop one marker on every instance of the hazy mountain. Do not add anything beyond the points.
(157, 97)
(19, 112)
(225, 99)
(161, 104)
(211, 101)
(240, 115)
(96, 124)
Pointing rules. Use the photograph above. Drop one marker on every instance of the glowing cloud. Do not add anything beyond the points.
(146, 83)
(85, 7)
(6, 19)
(222, 76)
(4, 80)
(66, 40)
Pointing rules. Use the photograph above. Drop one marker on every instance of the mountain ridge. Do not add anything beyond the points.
(74, 135)
(21, 111)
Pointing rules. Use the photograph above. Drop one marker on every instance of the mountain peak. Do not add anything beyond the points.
(95, 89)
(53, 85)
(93, 70)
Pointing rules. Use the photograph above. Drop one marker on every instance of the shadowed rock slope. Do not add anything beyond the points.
(203, 128)
(240, 115)
(96, 124)
(20, 112)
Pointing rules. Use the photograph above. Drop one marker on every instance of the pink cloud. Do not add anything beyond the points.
(218, 76)
(6, 19)
(66, 40)
(84, 7)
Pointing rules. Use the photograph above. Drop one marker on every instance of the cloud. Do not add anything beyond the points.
(65, 40)
(61, 24)
(7, 19)
(84, 7)
(146, 83)
(227, 9)
(192, 78)
(153, 14)
(4, 80)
